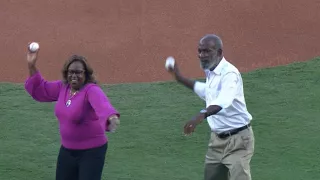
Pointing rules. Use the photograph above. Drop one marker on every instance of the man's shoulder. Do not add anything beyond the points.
(229, 68)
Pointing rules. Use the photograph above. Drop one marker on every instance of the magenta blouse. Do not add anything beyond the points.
(83, 122)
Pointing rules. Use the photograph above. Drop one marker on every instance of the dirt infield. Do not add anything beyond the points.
(127, 41)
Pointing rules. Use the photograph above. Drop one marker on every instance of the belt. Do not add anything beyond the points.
(233, 131)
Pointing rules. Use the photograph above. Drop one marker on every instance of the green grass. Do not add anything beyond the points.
(150, 145)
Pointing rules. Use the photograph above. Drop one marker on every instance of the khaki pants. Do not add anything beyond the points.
(229, 158)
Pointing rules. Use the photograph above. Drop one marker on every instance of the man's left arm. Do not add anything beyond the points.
(229, 88)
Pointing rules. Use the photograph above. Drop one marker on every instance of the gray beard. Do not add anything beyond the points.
(209, 66)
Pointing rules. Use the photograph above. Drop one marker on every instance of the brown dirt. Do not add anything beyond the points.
(128, 41)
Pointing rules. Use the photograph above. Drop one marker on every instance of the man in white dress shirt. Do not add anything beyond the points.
(231, 145)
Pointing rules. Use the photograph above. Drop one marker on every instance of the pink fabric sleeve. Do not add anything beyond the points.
(101, 105)
(42, 90)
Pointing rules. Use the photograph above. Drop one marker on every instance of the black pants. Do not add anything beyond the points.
(81, 164)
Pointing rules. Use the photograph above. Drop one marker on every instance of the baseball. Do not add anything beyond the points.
(169, 62)
(33, 47)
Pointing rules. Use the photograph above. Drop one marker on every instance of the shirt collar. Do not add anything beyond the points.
(219, 67)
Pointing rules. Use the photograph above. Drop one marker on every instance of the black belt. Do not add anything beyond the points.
(233, 131)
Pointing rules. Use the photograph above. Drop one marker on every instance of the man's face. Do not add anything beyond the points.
(209, 56)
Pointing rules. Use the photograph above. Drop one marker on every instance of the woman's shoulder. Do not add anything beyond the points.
(92, 87)
(62, 84)
(93, 90)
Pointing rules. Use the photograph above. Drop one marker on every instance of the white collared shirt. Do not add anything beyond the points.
(224, 87)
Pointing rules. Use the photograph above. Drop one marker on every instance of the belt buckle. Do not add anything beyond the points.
(228, 134)
(225, 134)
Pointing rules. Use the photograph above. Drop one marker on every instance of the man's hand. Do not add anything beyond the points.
(174, 71)
(176, 74)
(190, 126)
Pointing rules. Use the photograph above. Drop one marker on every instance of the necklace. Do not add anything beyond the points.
(68, 103)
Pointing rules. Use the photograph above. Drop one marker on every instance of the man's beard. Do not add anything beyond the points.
(208, 65)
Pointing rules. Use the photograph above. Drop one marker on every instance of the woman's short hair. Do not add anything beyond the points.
(90, 78)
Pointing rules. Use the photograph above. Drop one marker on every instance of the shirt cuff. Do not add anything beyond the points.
(34, 80)
(199, 88)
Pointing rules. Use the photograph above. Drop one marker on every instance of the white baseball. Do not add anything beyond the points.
(169, 62)
(33, 47)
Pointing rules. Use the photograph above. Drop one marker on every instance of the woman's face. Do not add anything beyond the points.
(76, 75)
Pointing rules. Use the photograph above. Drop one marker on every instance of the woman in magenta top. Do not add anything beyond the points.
(84, 114)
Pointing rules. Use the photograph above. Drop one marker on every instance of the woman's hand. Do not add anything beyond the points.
(114, 121)
(31, 60)
(32, 57)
